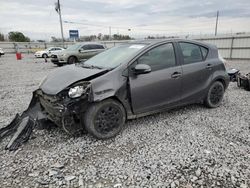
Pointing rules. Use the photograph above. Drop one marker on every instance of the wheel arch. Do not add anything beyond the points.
(222, 80)
(45, 54)
(116, 98)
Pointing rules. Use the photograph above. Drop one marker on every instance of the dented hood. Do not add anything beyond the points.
(63, 77)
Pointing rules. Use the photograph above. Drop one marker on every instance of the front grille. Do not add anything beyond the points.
(52, 107)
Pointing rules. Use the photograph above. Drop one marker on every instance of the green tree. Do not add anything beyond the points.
(16, 36)
(1, 37)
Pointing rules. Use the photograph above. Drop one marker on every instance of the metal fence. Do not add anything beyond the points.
(230, 47)
(31, 47)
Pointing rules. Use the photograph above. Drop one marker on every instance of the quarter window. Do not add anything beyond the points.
(204, 52)
(160, 57)
(191, 53)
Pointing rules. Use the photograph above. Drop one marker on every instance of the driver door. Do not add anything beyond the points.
(161, 87)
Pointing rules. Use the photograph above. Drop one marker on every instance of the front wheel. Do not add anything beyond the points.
(104, 119)
(45, 56)
(72, 60)
(215, 95)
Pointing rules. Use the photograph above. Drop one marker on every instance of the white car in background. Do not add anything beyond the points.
(47, 52)
(1, 52)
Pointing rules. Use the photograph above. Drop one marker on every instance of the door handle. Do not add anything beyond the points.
(209, 66)
(176, 75)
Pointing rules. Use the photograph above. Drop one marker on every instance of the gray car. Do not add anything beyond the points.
(129, 81)
(76, 53)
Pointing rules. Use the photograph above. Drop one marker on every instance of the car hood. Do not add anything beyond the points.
(65, 76)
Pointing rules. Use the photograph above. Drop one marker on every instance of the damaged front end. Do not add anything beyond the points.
(63, 109)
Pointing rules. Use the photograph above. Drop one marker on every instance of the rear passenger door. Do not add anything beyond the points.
(197, 71)
(85, 51)
(96, 49)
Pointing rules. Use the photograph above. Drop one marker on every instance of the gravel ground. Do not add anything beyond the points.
(188, 147)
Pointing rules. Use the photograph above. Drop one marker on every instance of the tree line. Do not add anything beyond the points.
(95, 37)
(16, 36)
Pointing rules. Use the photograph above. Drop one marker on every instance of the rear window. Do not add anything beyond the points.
(193, 53)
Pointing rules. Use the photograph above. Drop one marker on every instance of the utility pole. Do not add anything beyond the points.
(216, 25)
(58, 10)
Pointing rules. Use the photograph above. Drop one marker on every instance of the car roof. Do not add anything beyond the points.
(55, 47)
(158, 41)
(85, 43)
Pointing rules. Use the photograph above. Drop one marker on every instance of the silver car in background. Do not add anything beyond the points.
(1, 52)
(76, 53)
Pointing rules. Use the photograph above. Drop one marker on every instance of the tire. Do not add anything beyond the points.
(45, 56)
(215, 95)
(72, 60)
(59, 65)
(105, 119)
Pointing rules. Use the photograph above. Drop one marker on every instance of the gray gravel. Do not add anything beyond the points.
(188, 147)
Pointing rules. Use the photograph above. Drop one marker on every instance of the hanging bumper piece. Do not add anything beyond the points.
(21, 126)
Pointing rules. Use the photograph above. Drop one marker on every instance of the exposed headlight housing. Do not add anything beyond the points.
(77, 91)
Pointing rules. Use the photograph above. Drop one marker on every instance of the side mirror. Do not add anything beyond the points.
(142, 69)
(80, 50)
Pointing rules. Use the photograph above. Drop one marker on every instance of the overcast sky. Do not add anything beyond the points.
(39, 20)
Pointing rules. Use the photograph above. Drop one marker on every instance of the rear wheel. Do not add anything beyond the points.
(215, 95)
(105, 119)
(72, 60)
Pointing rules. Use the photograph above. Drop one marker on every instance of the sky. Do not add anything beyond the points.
(38, 19)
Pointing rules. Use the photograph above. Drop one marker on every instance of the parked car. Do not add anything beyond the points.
(76, 53)
(1, 52)
(129, 81)
(47, 52)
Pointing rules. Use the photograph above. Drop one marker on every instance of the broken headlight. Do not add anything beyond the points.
(77, 91)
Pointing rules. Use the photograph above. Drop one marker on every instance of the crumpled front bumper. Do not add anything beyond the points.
(64, 113)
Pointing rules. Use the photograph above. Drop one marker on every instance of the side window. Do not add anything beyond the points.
(87, 47)
(204, 52)
(99, 47)
(94, 46)
(160, 57)
(191, 52)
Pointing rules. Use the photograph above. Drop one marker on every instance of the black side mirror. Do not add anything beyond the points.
(142, 69)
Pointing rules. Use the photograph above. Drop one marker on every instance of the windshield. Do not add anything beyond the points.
(115, 56)
(74, 47)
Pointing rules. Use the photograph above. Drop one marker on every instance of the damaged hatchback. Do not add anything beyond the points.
(126, 82)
